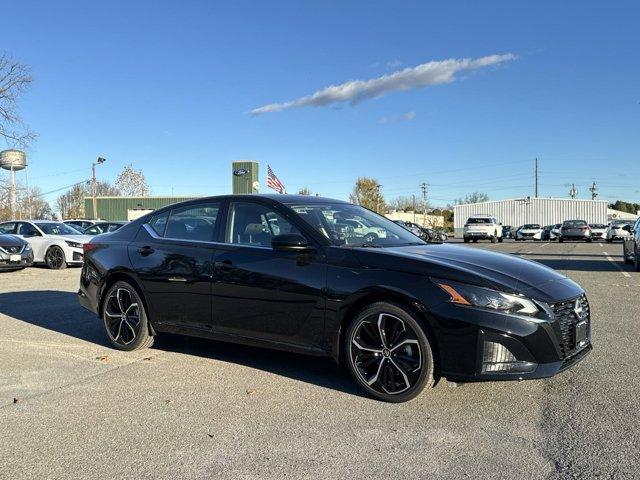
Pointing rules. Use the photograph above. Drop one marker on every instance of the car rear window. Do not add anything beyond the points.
(597, 225)
(531, 226)
(574, 224)
(471, 221)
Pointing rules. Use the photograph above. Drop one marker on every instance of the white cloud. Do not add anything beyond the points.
(409, 116)
(356, 91)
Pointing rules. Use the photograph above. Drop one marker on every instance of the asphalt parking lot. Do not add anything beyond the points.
(71, 407)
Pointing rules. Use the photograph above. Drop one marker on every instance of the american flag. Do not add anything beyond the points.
(274, 182)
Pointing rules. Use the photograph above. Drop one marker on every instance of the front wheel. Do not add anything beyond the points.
(560, 240)
(388, 353)
(637, 261)
(55, 259)
(124, 317)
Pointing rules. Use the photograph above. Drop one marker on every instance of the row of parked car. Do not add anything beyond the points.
(425, 233)
(51, 243)
(488, 228)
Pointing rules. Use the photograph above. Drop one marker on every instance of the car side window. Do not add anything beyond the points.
(194, 222)
(158, 223)
(95, 230)
(27, 230)
(255, 224)
(113, 227)
(9, 227)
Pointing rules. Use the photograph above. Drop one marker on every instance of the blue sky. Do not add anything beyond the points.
(169, 87)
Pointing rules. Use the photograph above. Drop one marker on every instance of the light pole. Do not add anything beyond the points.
(378, 187)
(94, 185)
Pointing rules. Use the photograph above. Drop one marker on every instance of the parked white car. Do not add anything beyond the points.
(598, 231)
(555, 231)
(617, 230)
(367, 231)
(482, 227)
(530, 231)
(53, 243)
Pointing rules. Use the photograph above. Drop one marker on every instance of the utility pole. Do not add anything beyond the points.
(378, 187)
(536, 195)
(425, 188)
(594, 191)
(573, 193)
(94, 185)
(414, 208)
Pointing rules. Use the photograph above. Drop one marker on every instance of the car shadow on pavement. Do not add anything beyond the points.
(60, 312)
(54, 310)
(321, 371)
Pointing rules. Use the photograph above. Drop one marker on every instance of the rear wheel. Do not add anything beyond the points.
(55, 259)
(466, 240)
(124, 317)
(560, 240)
(388, 353)
(637, 260)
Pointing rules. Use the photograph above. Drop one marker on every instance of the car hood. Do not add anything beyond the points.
(10, 241)
(475, 266)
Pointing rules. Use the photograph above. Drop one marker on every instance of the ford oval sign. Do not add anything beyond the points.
(240, 172)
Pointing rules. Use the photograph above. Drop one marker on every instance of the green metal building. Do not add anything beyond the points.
(127, 208)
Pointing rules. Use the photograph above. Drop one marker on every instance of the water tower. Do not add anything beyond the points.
(14, 161)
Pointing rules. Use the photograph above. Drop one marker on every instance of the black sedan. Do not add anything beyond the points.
(289, 272)
(15, 253)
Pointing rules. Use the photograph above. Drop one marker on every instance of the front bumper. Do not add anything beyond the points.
(467, 336)
(9, 261)
(478, 235)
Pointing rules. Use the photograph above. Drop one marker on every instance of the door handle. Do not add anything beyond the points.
(224, 265)
(146, 250)
(177, 279)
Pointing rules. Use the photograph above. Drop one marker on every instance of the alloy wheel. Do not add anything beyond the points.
(122, 316)
(385, 353)
(55, 258)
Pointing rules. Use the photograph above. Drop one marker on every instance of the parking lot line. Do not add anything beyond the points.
(626, 274)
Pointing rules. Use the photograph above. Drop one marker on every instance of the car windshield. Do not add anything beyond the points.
(622, 223)
(54, 228)
(531, 226)
(354, 226)
(471, 221)
(574, 224)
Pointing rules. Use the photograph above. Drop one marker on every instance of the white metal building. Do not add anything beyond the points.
(545, 211)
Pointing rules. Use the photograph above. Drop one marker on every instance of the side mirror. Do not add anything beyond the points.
(291, 242)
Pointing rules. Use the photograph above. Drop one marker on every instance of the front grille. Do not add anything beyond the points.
(567, 318)
(12, 249)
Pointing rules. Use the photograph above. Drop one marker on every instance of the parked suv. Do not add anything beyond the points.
(631, 246)
(482, 227)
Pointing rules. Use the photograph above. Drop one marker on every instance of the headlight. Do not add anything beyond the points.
(73, 244)
(470, 295)
(27, 247)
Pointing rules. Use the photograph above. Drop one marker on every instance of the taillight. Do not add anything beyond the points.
(89, 247)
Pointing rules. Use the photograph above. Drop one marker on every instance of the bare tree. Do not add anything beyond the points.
(132, 183)
(475, 197)
(404, 204)
(15, 77)
(304, 191)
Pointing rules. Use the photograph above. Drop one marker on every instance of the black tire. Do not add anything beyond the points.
(636, 261)
(494, 239)
(589, 240)
(475, 240)
(500, 239)
(370, 238)
(377, 364)
(129, 331)
(609, 240)
(560, 240)
(55, 259)
(466, 240)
